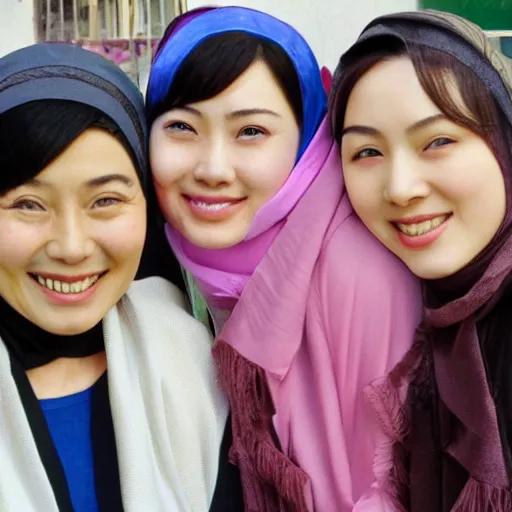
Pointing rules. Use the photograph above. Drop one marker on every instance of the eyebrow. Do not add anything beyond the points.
(94, 183)
(108, 178)
(191, 110)
(236, 114)
(419, 125)
(251, 112)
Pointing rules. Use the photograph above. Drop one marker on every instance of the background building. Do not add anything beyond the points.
(330, 26)
(126, 31)
(495, 16)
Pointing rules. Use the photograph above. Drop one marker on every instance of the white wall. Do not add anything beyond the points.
(16, 25)
(329, 26)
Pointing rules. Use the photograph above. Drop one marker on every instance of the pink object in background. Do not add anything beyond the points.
(326, 78)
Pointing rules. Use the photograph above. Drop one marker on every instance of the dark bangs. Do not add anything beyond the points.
(34, 134)
(213, 65)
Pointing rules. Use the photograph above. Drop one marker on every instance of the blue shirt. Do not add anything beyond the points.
(69, 423)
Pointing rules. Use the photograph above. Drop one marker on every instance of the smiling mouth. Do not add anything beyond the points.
(67, 287)
(421, 228)
(211, 207)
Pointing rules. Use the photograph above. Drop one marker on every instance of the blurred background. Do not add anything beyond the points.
(127, 31)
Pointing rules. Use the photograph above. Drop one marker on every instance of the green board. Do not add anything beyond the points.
(489, 14)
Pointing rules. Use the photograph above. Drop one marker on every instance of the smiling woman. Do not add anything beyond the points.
(248, 178)
(262, 145)
(73, 207)
(79, 225)
(439, 150)
(422, 107)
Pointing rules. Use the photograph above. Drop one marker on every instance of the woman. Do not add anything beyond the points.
(248, 179)
(421, 105)
(107, 395)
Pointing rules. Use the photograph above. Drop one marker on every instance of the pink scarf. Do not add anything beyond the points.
(222, 274)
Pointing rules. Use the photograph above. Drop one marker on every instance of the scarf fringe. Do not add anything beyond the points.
(479, 497)
(387, 396)
(269, 478)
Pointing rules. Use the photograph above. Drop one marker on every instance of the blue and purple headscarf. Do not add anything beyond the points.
(223, 273)
(191, 29)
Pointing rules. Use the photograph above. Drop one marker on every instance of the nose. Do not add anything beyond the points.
(71, 242)
(215, 169)
(405, 182)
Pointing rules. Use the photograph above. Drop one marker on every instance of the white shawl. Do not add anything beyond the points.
(169, 417)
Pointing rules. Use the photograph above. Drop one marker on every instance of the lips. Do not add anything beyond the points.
(210, 200)
(419, 226)
(67, 284)
(211, 207)
(420, 232)
(214, 208)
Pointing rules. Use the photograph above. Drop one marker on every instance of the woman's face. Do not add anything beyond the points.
(216, 162)
(430, 190)
(72, 237)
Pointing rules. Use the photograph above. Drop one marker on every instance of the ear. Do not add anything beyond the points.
(326, 78)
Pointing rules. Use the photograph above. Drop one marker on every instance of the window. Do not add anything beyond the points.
(94, 20)
(501, 40)
(124, 31)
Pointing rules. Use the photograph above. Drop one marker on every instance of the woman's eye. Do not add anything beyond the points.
(439, 143)
(367, 153)
(28, 206)
(106, 201)
(251, 131)
(178, 126)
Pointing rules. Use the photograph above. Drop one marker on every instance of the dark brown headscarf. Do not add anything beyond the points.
(452, 435)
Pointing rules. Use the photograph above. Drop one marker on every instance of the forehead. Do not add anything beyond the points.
(390, 87)
(255, 85)
(94, 153)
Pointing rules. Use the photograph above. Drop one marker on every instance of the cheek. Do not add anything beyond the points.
(363, 188)
(477, 185)
(266, 170)
(123, 238)
(170, 162)
(485, 201)
(365, 194)
(20, 243)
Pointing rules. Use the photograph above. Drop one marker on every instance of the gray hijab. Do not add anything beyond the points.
(61, 71)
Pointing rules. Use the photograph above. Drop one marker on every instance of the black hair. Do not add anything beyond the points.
(213, 65)
(33, 134)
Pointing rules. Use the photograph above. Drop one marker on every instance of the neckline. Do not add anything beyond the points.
(32, 346)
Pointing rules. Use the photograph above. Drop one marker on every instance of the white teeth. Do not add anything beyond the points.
(65, 287)
(212, 207)
(421, 227)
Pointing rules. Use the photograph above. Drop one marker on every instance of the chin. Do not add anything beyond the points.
(68, 329)
(431, 272)
(213, 240)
